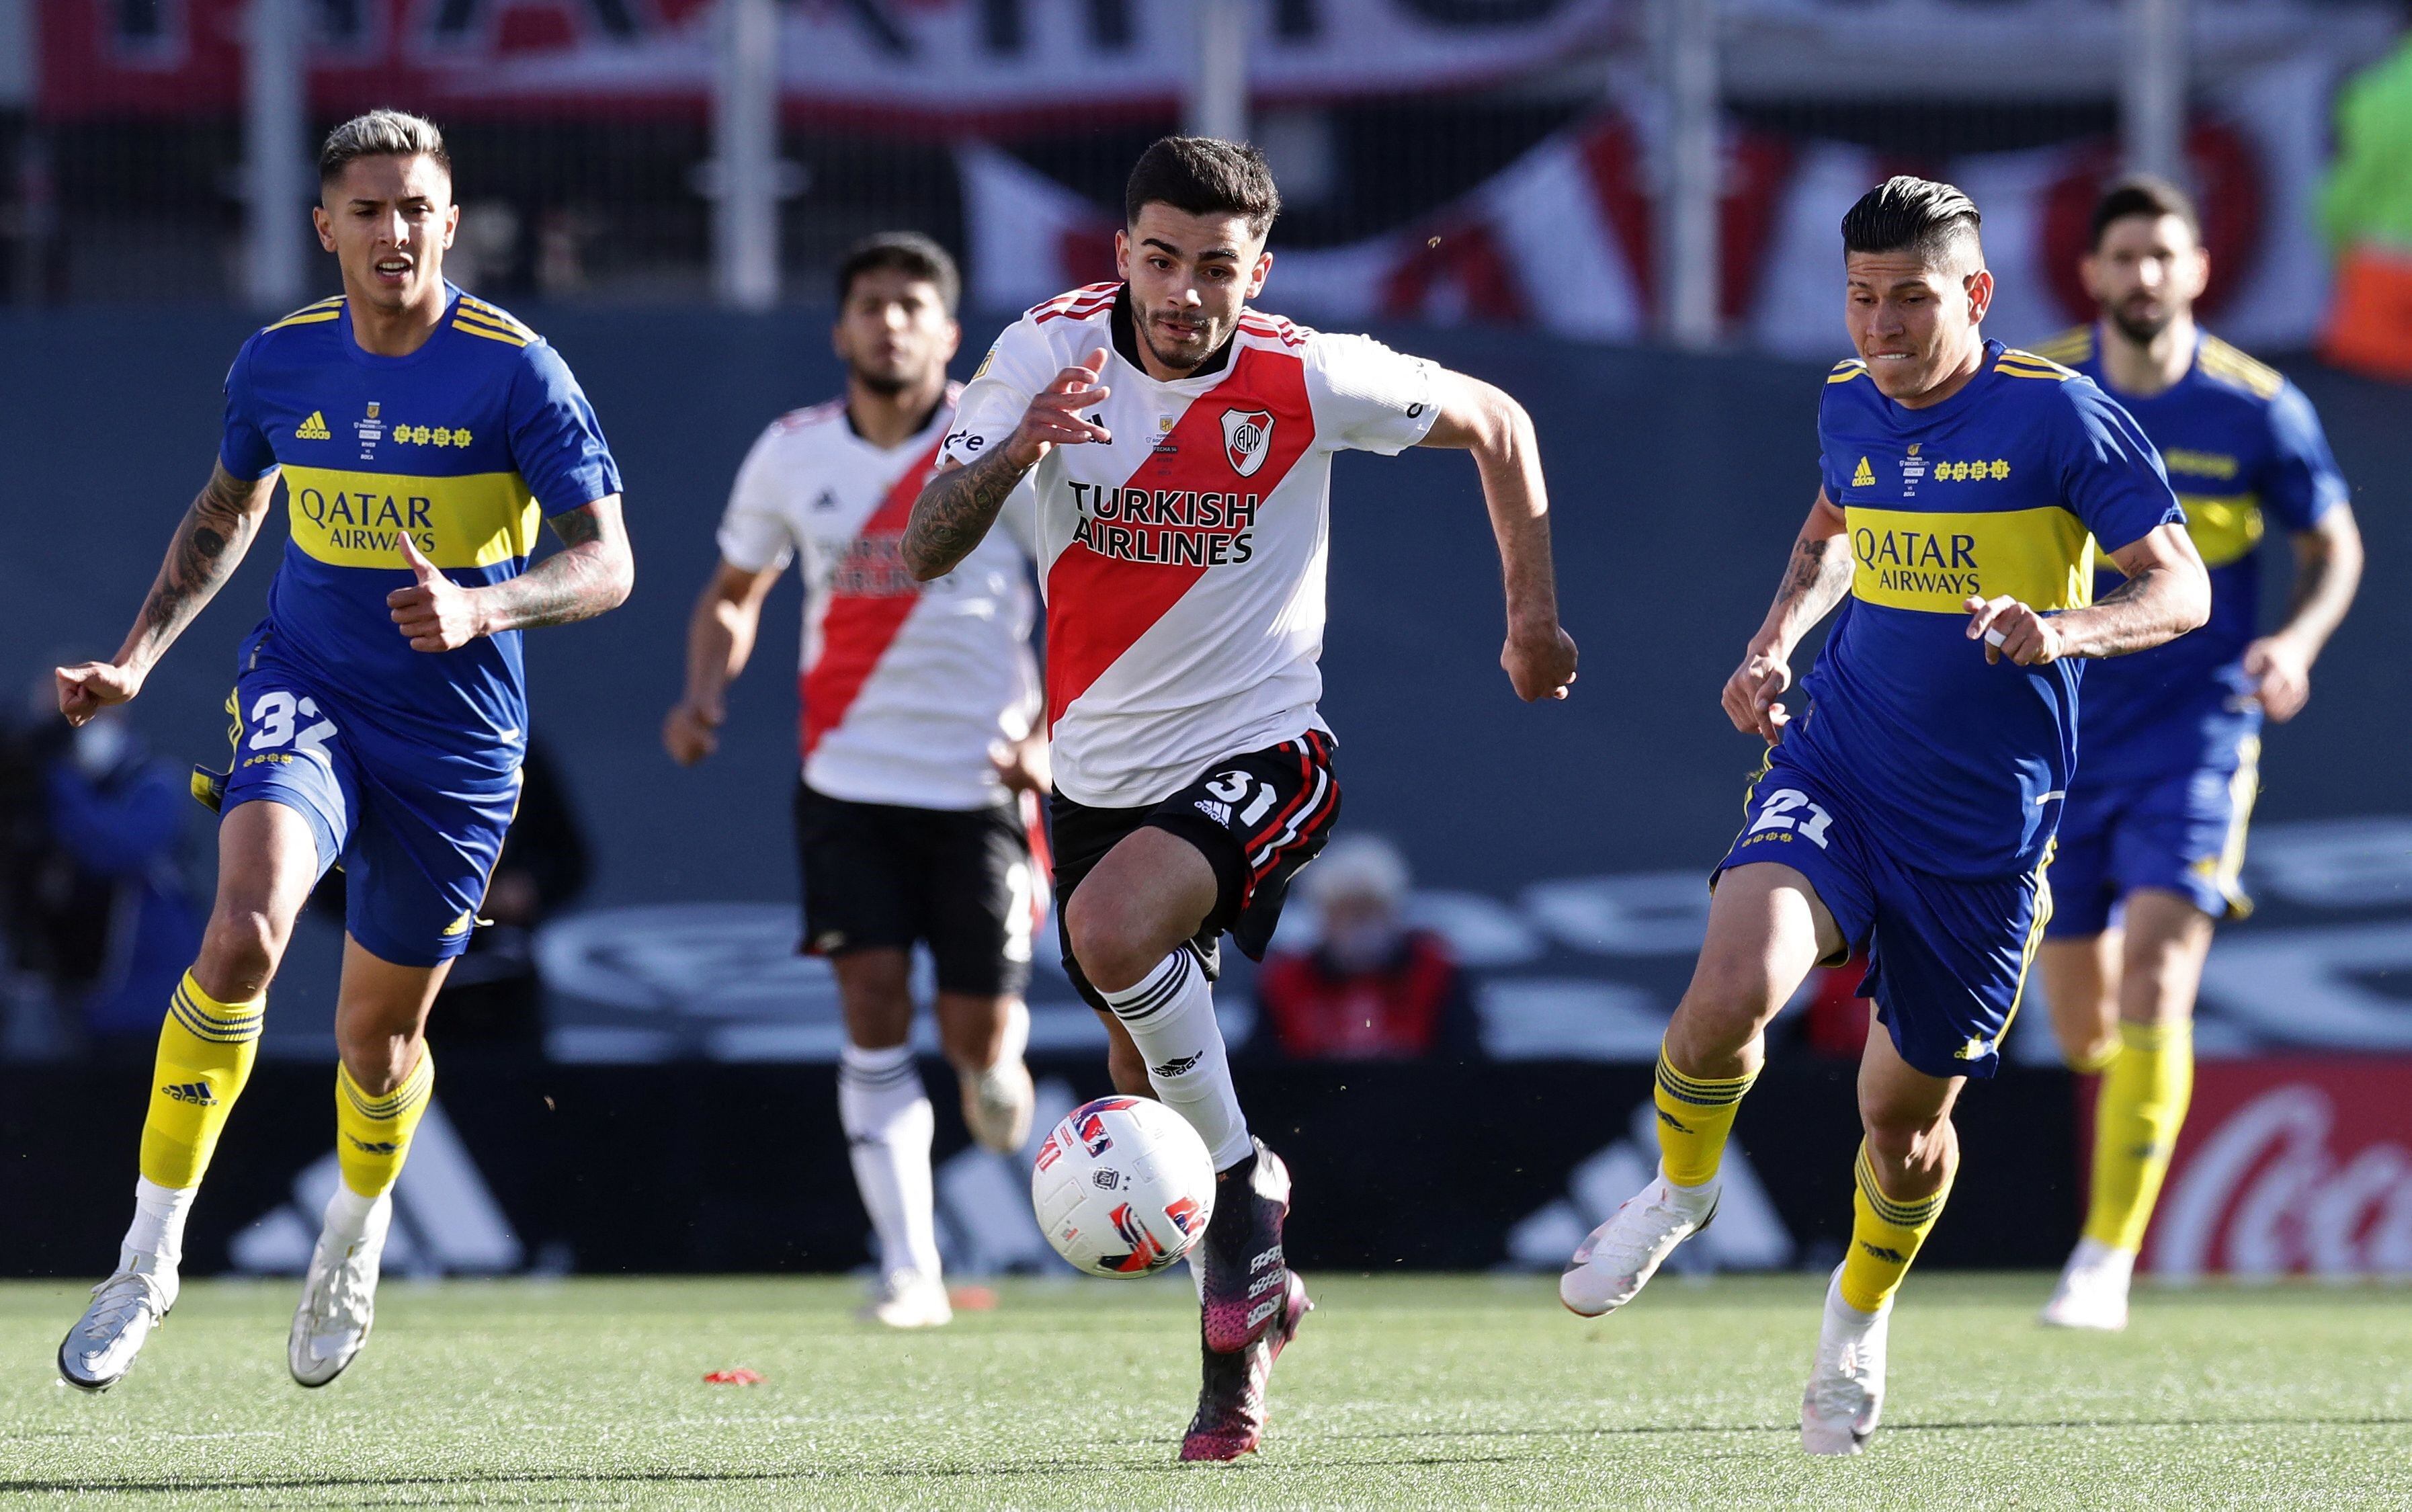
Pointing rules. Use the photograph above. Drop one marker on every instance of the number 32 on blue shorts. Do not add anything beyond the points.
(416, 830)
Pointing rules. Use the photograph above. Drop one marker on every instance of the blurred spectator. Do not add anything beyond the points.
(1373, 987)
(495, 995)
(93, 898)
(2366, 209)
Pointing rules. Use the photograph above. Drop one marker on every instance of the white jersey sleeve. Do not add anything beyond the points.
(1367, 397)
(754, 533)
(1022, 364)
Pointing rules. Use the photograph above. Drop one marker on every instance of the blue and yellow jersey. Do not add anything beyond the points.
(2241, 443)
(464, 444)
(1958, 765)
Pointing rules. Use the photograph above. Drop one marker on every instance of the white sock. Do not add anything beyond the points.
(889, 1124)
(1171, 1016)
(347, 1215)
(158, 1226)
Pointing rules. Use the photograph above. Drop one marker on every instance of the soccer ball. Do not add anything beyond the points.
(1123, 1187)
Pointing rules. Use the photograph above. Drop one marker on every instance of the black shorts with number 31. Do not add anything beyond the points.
(1257, 818)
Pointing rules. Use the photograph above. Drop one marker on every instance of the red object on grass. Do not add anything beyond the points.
(740, 1376)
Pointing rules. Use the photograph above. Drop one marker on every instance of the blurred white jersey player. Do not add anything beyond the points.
(917, 803)
(1180, 447)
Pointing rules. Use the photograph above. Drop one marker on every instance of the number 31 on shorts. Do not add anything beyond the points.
(1788, 808)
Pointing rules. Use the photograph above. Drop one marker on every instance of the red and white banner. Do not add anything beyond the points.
(1562, 239)
(937, 63)
(2291, 1166)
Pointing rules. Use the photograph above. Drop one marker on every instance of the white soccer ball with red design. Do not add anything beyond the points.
(1123, 1186)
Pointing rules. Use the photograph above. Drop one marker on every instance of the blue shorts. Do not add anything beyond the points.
(2183, 833)
(416, 830)
(1947, 956)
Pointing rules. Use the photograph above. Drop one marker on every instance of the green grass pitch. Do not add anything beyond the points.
(1401, 1392)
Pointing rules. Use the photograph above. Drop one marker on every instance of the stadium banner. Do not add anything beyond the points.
(2291, 1166)
(946, 64)
(1562, 240)
(696, 1167)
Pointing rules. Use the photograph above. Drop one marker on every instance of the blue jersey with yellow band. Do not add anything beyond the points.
(2241, 443)
(1957, 766)
(463, 445)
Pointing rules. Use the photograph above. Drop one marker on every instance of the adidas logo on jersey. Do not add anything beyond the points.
(1865, 478)
(196, 1093)
(314, 429)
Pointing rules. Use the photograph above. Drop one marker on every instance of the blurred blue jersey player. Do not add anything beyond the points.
(379, 711)
(2168, 743)
(1909, 812)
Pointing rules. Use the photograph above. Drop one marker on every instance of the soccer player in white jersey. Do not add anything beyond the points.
(1181, 443)
(920, 752)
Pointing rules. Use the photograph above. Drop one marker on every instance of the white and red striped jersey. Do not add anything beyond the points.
(1183, 561)
(905, 686)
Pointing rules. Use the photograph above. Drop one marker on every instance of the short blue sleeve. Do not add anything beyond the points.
(244, 451)
(2301, 480)
(1830, 475)
(2110, 477)
(556, 442)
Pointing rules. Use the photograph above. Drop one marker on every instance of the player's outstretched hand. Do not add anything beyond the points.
(87, 687)
(433, 613)
(2011, 629)
(1054, 417)
(1024, 766)
(1540, 663)
(691, 733)
(2281, 677)
(1750, 694)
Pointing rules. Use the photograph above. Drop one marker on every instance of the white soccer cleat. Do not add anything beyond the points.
(338, 1300)
(1846, 1383)
(1623, 1253)
(100, 1349)
(909, 1299)
(997, 1105)
(2093, 1290)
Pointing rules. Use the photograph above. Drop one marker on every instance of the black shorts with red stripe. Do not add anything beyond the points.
(1257, 818)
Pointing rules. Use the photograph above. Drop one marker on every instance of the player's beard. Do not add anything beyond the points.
(2146, 330)
(1212, 336)
(885, 385)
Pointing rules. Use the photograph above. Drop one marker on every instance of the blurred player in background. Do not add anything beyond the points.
(920, 747)
(1182, 526)
(2169, 738)
(1909, 812)
(380, 709)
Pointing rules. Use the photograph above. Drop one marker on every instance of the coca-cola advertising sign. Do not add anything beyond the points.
(2291, 1166)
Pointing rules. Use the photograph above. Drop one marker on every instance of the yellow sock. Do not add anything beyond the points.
(372, 1134)
(2136, 1119)
(206, 1049)
(1885, 1236)
(1694, 1118)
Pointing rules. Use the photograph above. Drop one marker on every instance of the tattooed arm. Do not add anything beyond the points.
(955, 510)
(1815, 579)
(959, 503)
(2167, 594)
(207, 548)
(591, 575)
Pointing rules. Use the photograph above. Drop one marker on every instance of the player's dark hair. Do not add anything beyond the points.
(1911, 215)
(380, 134)
(1204, 176)
(909, 252)
(2142, 193)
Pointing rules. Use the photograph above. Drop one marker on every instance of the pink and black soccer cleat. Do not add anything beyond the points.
(1230, 1419)
(1240, 1267)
